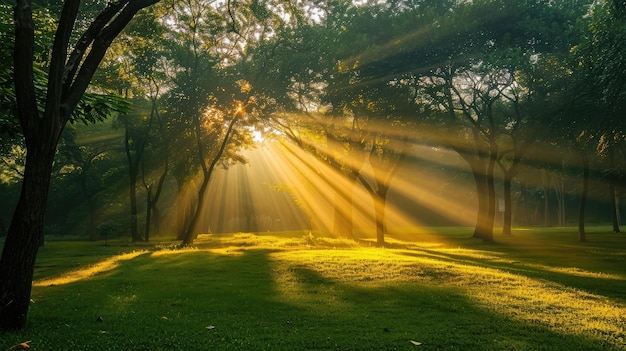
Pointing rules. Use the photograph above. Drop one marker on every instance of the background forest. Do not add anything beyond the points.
(393, 114)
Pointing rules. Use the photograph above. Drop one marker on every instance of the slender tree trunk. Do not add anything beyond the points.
(614, 199)
(508, 209)
(559, 189)
(491, 194)
(133, 209)
(582, 236)
(184, 205)
(148, 213)
(191, 232)
(133, 172)
(545, 183)
(93, 235)
(132, 191)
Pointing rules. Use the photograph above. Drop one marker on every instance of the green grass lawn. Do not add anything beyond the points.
(429, 290)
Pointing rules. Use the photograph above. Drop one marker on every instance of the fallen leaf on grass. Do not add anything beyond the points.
(416, 343)
(21, 346)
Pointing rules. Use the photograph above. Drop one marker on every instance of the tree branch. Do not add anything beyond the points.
(23, 54)
(102, 41)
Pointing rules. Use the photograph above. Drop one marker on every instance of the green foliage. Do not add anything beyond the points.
(92, 108)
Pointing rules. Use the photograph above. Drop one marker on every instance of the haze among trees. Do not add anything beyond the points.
(115, 118)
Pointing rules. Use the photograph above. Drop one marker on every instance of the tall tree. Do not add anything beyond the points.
(69, 75)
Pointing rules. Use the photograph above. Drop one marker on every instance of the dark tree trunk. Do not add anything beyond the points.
(546, 199)
(613, 198)
(491, 195)
(582, 236)
(508, 210)
(486, 211)
(380, 202)
(26, 236)
(148, 213)
(93, 235)
(133, 209)
(191, 233)
(133, 172)
(152, 211)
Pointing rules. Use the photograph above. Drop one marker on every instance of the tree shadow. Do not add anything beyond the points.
(250, 299)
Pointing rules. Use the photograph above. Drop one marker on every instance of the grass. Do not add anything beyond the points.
(434, 290)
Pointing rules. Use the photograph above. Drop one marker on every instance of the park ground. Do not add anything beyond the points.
(429, 289)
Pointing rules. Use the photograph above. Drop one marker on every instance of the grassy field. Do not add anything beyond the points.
(429, 290)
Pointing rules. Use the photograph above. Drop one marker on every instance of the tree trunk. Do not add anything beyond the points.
(484, 221)
(133, 207)
(559, 190)
(191, 231)
(23, 240)
(133, 172)
(491, 194)
(380, 202)
(582, 236)
(148, 213)
(93, 234)
(614, 199)
(508, 210)
(153, 216)
(545, 184)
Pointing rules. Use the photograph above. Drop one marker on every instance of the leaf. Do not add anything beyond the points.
(21, 346)
(416, 343)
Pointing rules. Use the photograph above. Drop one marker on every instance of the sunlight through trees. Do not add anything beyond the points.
(348, 119)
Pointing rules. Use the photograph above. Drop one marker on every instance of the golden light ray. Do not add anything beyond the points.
(103, 266)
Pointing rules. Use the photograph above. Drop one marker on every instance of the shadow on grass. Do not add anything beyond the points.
(535, 265)
(250, 300)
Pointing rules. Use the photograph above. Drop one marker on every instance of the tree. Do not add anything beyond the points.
(211, 106)
(463, 63)
(599, 66)
(69, 75)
